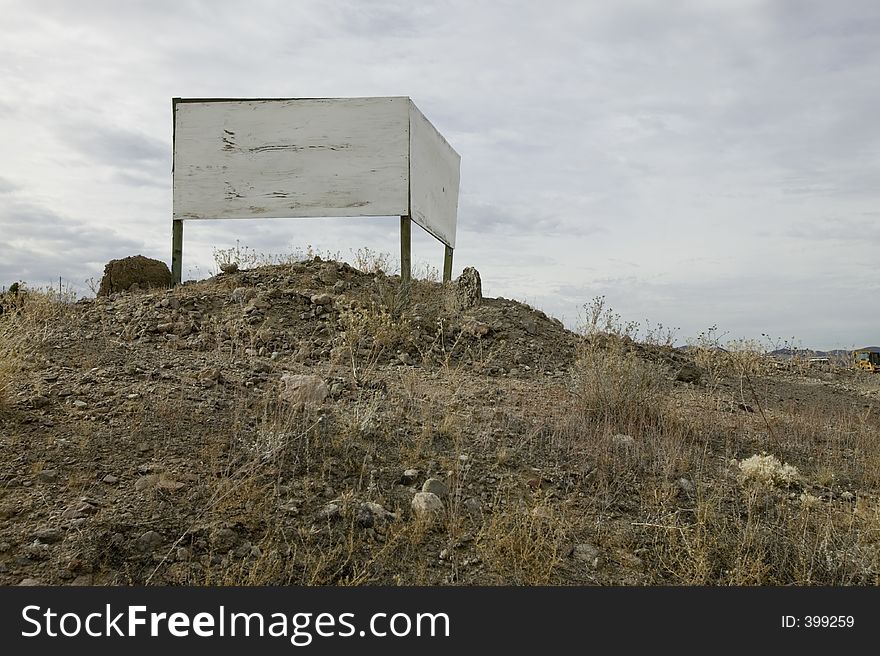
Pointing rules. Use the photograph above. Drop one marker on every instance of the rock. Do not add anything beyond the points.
(146, 273)
(47, 476)
(405, 358)
(36, 551)
(261, 367)
(467, 289)
(30, 582)
(265, 336)
(409, 476)
(229, 267)
(530, 325)
(303, 391)
(224, 539)
(146, 482)
(476, 328)
(472, 506)
(371, 513)
(80, 405)
(436, 486)
(110, 479)
(327, 274)
(49, 535)
(322, 299)
(587, 553)
(689, 373)
(210, 375)
(39, 401)
(329, 512)
(79, 511)
(623, 440)
(687, 486)
(427, 505)
(149, 541)
(168, 484)
(242, 294)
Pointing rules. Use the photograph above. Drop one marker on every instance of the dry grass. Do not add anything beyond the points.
(757, 535)
(669, 483)
(705, 506)
(524, 544)
(31, 319)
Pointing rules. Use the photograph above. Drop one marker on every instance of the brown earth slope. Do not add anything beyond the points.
(146, 439)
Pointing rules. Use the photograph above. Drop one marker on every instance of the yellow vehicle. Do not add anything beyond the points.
(867, 360)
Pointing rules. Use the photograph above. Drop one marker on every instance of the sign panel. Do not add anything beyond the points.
(291, 158)
(434, 178)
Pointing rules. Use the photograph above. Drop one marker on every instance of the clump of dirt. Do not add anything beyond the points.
(133, 274)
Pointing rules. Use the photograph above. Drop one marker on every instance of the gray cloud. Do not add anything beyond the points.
(6, 186)
(39, 245)
(696, 162)
(112, 145)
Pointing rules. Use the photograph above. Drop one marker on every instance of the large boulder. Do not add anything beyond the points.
(467, 289)
(121, 275)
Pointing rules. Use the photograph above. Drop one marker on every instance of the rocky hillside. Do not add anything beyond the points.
(315, 424)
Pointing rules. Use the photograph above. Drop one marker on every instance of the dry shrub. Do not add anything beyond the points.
(8, 361)
(760, 536)
(767, 470)
(522, 544)
(367, 333)
(746, 358)
(30, 320)
(619, 426)
(844, 439)
(616, 388)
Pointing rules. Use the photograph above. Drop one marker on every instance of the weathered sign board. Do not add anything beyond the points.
(313, 157)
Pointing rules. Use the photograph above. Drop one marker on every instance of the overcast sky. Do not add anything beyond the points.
(698, 163)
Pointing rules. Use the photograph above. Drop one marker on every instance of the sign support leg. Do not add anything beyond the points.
(447, 264)
(405, 250)
(177, 251)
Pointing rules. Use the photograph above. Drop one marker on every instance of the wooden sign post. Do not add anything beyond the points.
(313, 157)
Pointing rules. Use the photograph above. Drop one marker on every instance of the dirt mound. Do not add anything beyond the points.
(313, 424)
(134, 273)
(318, 311)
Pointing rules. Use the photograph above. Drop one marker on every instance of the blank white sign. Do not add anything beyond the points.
(434, 176)
(313, 157)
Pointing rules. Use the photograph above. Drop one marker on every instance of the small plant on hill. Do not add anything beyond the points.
(768, 470)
